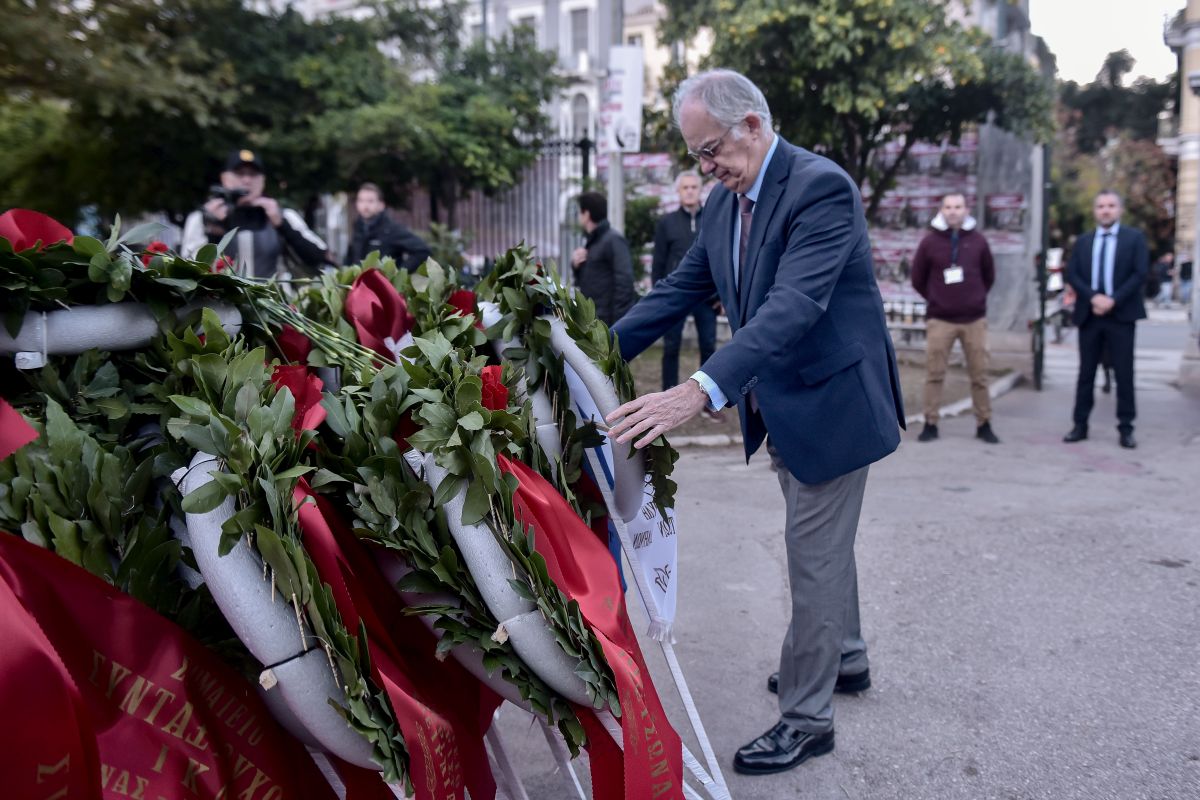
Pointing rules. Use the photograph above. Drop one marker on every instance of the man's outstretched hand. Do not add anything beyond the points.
(655, 414)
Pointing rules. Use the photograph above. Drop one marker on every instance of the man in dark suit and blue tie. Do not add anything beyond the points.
(1108, 270)
(810, 363)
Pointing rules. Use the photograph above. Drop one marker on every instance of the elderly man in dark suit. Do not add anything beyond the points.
(1107, 270)
(784, 243)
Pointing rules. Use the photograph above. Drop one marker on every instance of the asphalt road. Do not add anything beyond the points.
(1032, 610)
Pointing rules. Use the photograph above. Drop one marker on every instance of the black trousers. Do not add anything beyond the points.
(1097, 336)
(706, 332)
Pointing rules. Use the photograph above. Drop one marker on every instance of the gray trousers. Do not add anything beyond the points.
(823, 639)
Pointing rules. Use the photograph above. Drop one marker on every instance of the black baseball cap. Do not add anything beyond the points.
(243, 158)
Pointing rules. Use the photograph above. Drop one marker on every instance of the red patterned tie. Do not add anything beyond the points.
(746, 209)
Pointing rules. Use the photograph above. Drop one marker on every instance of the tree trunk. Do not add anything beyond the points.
(887, 179)
(450, 198)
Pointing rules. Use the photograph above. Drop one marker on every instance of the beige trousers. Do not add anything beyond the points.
(939, 341)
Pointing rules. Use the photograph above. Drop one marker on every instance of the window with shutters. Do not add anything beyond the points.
(579, 116)
(579, 30)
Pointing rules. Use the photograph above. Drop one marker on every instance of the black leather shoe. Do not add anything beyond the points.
(846, 684)
(984, 432)
(928, 433)
(781, 748)
(1077, 434)
(1127, 440)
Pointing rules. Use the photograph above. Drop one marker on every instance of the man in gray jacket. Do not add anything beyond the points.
(603, 267)
(270, 237)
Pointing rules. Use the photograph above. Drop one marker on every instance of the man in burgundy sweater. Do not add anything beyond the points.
(953, 270)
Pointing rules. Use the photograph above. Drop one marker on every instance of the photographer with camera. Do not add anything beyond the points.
(266, 231)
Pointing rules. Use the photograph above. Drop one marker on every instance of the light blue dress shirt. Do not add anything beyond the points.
(716, 398)
(1110, 257)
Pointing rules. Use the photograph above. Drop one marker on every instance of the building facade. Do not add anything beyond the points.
(1179, 129)
(578, 31)
(1179, 135)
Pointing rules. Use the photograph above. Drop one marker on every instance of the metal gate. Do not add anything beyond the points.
(539, 210)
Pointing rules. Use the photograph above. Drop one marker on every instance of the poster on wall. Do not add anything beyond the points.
(928, 173)
(621, 108)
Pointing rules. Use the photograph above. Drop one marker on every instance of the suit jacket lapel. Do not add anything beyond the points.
(1085, 245)
(768, 199)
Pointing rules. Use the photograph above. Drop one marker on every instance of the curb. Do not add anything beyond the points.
(1001, 386)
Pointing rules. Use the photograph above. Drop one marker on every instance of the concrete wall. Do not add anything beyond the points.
(1006, 166)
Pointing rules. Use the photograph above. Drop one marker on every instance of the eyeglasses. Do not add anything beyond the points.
(709, 152)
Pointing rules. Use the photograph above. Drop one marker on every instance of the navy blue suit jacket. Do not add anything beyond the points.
(1130, 267)
(809, 336)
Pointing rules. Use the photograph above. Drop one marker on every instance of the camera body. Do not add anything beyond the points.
(230, 196)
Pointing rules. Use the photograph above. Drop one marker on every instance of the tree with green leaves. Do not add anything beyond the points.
(845, 77)
(1105, 140)
(326, 103)
(108, 53)
(1106, 107)
(260, 78)
(475, 125)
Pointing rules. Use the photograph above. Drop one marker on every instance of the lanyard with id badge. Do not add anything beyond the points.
(954, 273)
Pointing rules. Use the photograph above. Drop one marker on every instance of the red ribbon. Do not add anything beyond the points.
(586, 489)
(103, 698)
(25, 229)
(15, 432)
(378, 312)
(583, 568)
(442, 710)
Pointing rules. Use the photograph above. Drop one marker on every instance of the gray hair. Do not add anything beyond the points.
(727, 95)
(687, 173)
(1110, 193)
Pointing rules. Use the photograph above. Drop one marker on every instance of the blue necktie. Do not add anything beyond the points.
(1100, 284)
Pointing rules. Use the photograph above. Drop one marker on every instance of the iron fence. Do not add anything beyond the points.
(538, 210)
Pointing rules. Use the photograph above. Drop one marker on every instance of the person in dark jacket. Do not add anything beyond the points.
(376, 230)
(271, 239)
(603, 267)
(673, 236)
(1107, 269)
(953, 270)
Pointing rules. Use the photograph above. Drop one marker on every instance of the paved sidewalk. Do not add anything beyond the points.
(1031, 608)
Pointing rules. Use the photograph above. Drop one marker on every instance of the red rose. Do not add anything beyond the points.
(495, 393)
(294, 345)
(306, 389)
(223, 263)
(151, 249)
(24, 229)
(463, 301)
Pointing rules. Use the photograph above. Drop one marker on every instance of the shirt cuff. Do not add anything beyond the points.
(716, 398)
